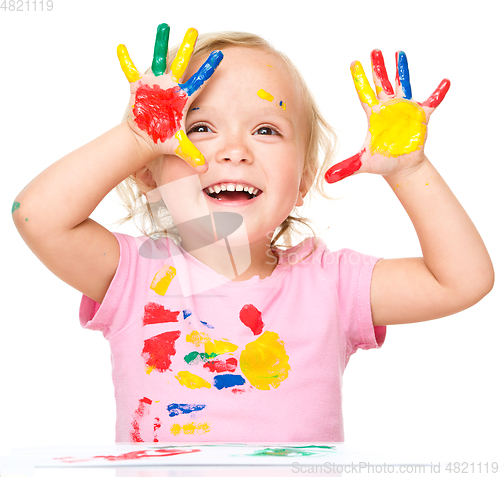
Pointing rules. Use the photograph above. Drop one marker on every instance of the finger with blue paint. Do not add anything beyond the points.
(159, 64)
(204, 73)
(403, 86)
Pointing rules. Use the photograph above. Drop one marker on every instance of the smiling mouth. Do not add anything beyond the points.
(231, 194)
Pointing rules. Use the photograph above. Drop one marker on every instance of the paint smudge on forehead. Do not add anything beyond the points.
(15, 206)
(265, 95)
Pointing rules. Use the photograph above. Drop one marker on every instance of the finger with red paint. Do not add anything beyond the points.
(383, 86)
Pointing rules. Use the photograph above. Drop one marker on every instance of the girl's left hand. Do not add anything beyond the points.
(397, 124)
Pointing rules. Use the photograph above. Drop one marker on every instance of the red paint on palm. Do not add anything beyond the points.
(344, 169)
(251, 317)
(222, 366)
(435, 98)
(159, 349)
(159, 111)
(155, 313)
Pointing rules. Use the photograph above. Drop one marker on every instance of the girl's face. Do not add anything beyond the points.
(251, 126)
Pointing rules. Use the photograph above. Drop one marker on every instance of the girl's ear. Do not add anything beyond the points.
(145, 182)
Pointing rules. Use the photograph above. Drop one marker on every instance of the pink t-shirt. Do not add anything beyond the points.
(253, 361)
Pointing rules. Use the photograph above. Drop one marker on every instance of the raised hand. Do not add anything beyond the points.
(158, 102)
(397, 124)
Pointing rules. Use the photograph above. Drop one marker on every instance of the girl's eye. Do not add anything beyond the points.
(200, 128)
(266, 131)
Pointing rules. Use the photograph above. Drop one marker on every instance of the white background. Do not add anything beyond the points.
(433, 383)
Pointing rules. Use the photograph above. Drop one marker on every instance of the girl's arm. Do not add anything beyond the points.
(52, 215)
(455, 271)
(52, 212)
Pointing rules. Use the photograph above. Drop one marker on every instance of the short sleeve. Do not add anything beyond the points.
(105, 317)
(354, 272)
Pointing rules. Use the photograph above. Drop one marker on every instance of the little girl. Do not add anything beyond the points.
(221, 335)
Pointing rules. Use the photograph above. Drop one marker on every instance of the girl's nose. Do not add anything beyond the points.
(234, 149)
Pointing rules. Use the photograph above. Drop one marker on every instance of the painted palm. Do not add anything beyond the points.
(159, 102)
(397, 125)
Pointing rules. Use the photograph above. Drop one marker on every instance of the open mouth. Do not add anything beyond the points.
(232, 192)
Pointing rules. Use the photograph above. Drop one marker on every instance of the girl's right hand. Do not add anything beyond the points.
(158, 103)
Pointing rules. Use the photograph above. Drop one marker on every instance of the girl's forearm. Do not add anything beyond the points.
(452, 248)
(67, 192)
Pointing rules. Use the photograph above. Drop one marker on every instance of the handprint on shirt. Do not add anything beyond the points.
(397, 124)
(158, 102)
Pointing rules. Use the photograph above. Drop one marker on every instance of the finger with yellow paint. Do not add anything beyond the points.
(187, 150)
(181, 60)
(365, 91)
(128, 67)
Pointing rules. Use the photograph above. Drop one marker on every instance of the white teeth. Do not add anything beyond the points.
(230, 186)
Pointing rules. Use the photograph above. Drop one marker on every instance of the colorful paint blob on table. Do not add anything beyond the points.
(158, 111)
(209, 362)
(397, 123)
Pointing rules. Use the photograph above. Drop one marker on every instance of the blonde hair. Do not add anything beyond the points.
(154, 219)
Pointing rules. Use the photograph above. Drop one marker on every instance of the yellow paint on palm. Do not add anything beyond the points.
(398, 128)
(190, 428)
(128, 67)
(191, 381)
(265, 95)
(365, 91)
(187, 150)
(162, 280)
(264, 361)
(183, 56)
